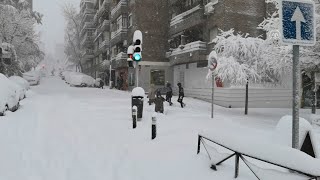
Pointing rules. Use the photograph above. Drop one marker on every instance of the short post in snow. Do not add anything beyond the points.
(134, 116)
(236, 173)
(154, 127)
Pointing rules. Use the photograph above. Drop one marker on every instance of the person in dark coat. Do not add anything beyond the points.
(181, 95)
(101, 84)
(159, 103)
(152, 94)
(169, 94)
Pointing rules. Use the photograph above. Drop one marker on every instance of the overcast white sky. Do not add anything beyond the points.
(53, 24)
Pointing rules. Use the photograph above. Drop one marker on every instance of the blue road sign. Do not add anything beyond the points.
(297, 22)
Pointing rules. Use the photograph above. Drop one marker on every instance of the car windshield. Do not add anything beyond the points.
(159, 89)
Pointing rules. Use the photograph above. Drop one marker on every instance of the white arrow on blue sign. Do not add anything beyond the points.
(297, 22)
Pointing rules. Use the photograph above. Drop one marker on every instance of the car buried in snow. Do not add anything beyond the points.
(33, 77)
(9, 95)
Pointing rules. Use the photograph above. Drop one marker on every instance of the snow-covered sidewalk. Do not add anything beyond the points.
(65, 133)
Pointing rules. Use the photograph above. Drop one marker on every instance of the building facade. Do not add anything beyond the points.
(177, 39)
(87, 12)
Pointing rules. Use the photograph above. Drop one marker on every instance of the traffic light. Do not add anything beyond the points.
(130, 52)
(137, 40)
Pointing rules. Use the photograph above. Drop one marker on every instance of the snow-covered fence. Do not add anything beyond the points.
(244, 146)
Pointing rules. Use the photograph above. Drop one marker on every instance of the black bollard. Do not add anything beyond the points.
(134, 117)
(154, 127)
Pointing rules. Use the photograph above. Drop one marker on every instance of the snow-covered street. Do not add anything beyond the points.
(65, 133)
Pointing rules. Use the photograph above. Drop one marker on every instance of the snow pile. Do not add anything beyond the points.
(271, 174)
(283, 131)
(315, 119)
(8, 93)
(138, 91)
(244, 141)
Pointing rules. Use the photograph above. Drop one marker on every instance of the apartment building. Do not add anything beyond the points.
(87, 13)
(101, 40)
(193, 26)
(151, 18)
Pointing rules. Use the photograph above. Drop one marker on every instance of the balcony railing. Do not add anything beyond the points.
(118, 7)
(120, 56)
(118, 32)
(103, 8)
(87, 52)
(104, 25)
(193, 46)
(104, 45)
(87, 38)
(187, 19)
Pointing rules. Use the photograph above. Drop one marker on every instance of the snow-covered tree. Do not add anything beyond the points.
(17, 30)
(73, 47)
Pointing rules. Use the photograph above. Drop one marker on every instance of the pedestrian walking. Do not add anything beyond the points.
(159, 103)
(152, 94)
(181, 95)
(101, 83)
(169, 94)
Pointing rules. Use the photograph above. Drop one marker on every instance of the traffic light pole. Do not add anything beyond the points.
(137, 74)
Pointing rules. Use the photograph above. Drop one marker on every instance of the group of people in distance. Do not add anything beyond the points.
(156, 97)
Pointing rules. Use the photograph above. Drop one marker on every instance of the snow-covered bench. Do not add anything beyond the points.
(243, 145)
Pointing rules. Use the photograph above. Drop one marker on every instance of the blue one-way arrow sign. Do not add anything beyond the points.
(297, 22)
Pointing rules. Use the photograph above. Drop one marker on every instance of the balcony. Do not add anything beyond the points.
(87, 25)
(189, 53)
(120, 8)
(120, 60)
(87, 54)
(118, 36)
(87, 39)
(88, 11)
(187, 19)
(105, 25)
(104, 45)
(103, 9)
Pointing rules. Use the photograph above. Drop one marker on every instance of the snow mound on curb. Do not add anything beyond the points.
(283, 131)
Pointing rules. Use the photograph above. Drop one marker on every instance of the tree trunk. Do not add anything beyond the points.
(247, 98)
(80, 67)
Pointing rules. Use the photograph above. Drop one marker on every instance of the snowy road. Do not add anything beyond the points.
(65, 133)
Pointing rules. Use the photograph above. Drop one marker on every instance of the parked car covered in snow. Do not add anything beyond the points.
(9, 95)
(33, 77)
(79, 80)
(20, 81)
(23, 85)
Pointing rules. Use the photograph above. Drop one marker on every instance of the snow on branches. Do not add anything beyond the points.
(242, 58)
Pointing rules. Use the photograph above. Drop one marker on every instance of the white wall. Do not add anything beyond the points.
(196, 85)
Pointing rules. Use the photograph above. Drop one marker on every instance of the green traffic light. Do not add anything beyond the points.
(137, 57)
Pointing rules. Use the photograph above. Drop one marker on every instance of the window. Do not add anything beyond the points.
(124, 21)
(187, 66)
(213, 33)
(202, 64)
(157, 77)
(130, 20)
